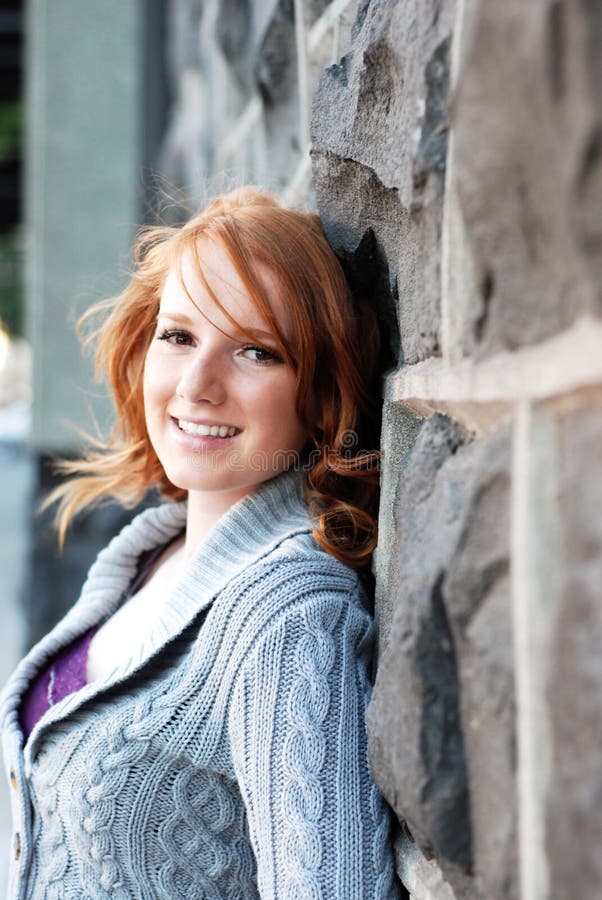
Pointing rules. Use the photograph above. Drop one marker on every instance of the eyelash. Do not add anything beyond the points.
(167, 334)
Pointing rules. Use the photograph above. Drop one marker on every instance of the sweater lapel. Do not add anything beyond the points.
(251, 529)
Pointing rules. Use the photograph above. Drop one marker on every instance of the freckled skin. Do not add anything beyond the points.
(194, 371)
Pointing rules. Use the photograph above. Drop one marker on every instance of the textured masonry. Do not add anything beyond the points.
(465, 150)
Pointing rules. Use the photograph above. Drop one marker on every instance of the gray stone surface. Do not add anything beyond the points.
(224, 56)
(574, 809)
(186, 144)
(477, 594)
(379, 133)
(270, 69)
(257, 38)
(400, 427)
(275, 76)
(580, 31)
(441, 720)
(527, 168)
(422, 876)
(364, 222)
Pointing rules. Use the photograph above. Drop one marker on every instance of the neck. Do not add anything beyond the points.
(205, 509)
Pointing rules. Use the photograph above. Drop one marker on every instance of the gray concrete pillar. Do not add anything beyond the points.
(83, 187)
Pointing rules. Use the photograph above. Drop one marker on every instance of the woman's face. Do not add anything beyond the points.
(220, 408)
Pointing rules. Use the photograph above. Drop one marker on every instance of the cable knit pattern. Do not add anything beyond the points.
(304, 750)
(122, 750)
(227, 758)
(52, 835)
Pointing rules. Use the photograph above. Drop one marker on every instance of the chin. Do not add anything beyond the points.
(204, 483)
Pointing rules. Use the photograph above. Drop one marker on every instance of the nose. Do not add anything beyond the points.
(202, 380)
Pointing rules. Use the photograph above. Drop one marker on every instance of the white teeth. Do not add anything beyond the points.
(206, 430)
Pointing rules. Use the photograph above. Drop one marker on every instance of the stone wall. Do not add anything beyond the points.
(242, 77)
(463, 141)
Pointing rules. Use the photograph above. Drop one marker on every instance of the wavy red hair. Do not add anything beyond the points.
(334, 353)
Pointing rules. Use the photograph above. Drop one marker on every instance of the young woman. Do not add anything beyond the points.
(194, 726)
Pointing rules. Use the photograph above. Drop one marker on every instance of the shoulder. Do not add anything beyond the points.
(297, 567)
(297, 588)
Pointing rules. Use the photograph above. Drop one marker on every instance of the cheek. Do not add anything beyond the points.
(281, 411)
(155, 379)
(146, 384)
(275, 402)
(153, 394)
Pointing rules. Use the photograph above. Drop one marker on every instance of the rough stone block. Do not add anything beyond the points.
(379, 133)
(528, 167)
(363, 222)
(574, 691)
(422, 876)
(258, 42)
(400, 427)
(441, 720)
(579, 32)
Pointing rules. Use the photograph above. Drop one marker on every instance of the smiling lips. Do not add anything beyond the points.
(206, 430)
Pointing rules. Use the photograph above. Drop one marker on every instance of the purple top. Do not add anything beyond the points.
(62, 677)
(66, 672)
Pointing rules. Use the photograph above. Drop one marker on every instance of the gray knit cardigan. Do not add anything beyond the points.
(228, 757)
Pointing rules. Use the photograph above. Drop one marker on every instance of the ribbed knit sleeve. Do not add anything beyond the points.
(317, 823)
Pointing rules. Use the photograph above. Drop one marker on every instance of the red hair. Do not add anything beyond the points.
(334, 353)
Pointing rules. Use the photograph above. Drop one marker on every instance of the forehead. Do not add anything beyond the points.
(184, 284)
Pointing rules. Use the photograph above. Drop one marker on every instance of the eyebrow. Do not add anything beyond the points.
(182, 317)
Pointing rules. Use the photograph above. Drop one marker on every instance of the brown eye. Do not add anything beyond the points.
(260, 354)
(175, 336)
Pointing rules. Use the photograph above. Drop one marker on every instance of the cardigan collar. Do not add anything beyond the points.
(248, 531)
